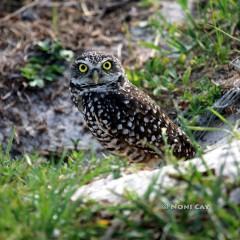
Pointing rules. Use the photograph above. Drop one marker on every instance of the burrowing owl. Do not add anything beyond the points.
(123, 118)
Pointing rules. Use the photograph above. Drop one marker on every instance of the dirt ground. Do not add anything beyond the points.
(45, 119)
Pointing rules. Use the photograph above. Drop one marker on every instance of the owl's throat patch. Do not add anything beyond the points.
(81, 87)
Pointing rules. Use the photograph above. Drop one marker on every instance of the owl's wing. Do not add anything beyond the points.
(141, 123)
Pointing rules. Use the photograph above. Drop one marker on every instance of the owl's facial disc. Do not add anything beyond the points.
(94, 70)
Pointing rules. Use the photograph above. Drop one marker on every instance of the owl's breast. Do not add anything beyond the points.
(99, 111)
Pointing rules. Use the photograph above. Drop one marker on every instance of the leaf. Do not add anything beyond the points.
(150, 45)
(183, 4)
(44, 45)
(49, 78)
(66, 54)
(37, 83)
(28, 71)
(186, 76)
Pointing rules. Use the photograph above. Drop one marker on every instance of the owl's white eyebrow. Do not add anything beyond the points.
(106, 59)
(80, 61)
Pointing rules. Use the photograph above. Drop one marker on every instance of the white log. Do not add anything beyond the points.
(223, 160)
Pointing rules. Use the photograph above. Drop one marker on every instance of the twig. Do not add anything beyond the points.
(20, 10)
(85, 10)
(116, 5)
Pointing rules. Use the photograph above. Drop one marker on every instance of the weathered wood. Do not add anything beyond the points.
(223, 160)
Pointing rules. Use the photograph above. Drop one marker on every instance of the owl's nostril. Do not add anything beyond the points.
(94, 69)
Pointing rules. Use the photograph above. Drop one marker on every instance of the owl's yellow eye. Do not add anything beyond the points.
(107, 65)
(83, 68)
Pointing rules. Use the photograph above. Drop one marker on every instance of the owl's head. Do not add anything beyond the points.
(94, 70)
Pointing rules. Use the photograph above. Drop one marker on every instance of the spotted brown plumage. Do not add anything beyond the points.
(122, 117)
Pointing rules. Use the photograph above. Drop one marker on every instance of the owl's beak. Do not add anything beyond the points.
(95, 76)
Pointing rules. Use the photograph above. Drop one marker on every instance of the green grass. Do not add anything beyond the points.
(35, 195)
(35, 203)
(35, 191)
(188, 54)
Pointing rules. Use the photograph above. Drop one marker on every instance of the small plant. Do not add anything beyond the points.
(46, 63)
(202, 95)
(187, 54)
(35, 202)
